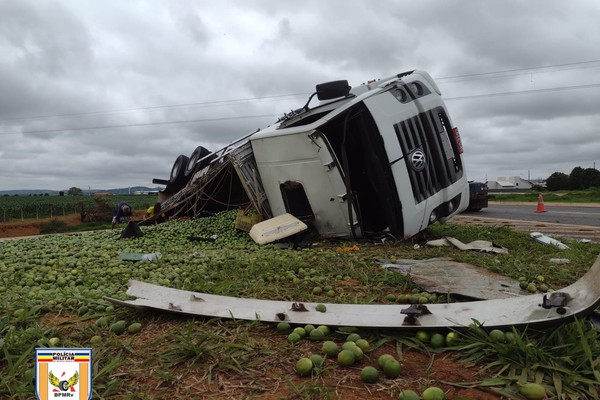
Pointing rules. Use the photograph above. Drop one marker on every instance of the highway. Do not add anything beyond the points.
(560, 220)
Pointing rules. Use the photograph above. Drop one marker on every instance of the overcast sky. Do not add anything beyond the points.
(106, 94)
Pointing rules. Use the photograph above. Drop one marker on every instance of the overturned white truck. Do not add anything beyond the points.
(382, 157)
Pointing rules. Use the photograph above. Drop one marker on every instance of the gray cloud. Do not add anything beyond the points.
(109, 94)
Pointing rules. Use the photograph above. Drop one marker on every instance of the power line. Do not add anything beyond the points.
(205, 104)
(475, 96)
(558, 66)
(140, 124)
(481, 75)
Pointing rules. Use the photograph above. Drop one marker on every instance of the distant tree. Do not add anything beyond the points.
(75, 191)
(558, 181)
(591, 178)
(577, 179)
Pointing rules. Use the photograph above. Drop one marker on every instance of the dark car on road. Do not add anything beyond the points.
(478, 196)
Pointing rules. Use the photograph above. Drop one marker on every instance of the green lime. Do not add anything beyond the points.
(523, 284)
(316, 334)
(136, 327)
(284, 328)
(496, 335)
(363, 344)
(325, 329)
(531, 288)
(423, 336)
(95, 340)
(358, 353)
(346, 358)
(533, 391)
(391, 298)
(317, 360)
(383, 359)
(330, 348)
(321, 307)
(391, 369)
(304, 366)
(438, 340)
(309, 328)
(369, 375)
(353, 337)
(407, 394)
(452, 338)
(433, 393)
(300, 331)
(510, 337)
(317, 290)
(294, 338)
(349, 345)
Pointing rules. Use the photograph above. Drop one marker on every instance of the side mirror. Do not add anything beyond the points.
(332, 90)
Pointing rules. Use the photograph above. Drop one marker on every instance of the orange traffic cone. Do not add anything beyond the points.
(540, 205)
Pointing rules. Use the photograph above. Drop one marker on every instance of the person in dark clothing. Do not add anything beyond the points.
(123, 212)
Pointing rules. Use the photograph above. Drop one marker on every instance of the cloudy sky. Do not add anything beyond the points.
(105, 94)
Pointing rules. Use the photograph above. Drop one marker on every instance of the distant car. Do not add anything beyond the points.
(478, 196)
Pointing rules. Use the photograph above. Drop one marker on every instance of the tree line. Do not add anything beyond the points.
(578, 179)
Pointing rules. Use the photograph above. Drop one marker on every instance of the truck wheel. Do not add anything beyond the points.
(178, 170)
(197, 154)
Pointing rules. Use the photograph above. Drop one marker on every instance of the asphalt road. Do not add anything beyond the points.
(558, 214)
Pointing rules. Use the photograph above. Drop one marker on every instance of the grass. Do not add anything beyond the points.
(591, 195)
(46, 282)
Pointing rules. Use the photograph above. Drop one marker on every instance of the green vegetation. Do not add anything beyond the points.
(28, 207)
(591, 195)
(53, 288)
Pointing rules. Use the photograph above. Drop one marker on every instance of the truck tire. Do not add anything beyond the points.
(197, 154)
(177, 177)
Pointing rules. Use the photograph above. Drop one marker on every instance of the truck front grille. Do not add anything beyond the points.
(429, 132)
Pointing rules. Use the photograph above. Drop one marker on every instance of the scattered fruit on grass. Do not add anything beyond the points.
(391, 368)
(300, 331)
(391, 298)
(321, 307)
(346, 358)
(533, 391)
(284, 328)
(309, 328)
(358, 353)
(383, 359)
(423, 336)
(369, 375)
(316, 334)
(294, 338)
(54, 341)
(95, 340)
(531, 288)
(438, 340)
(407, 394)
(510, 337)
(330, 348)
(353, 337)
(304, 366)
(543, 288)
(325, 329)
(102, 322)
(451, 338)
(523, 284)
(496, 335)
(317, 360)
(134, 328)
(118, 327)
(317, 290)
(433, 393)
(540, 278)
(363, 344)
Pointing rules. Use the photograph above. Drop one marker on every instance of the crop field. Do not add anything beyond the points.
(53, 288)
(27, 207)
